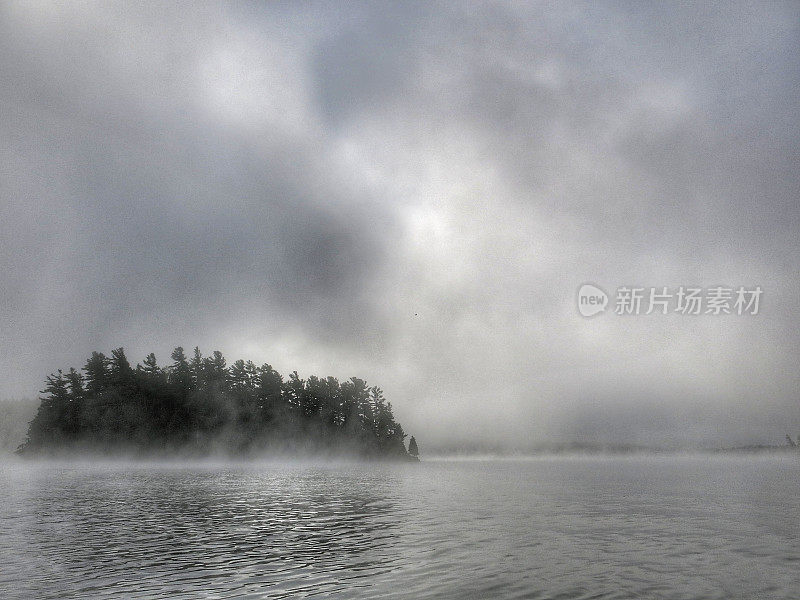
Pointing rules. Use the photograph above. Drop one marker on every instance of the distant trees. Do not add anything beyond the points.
(200, 405)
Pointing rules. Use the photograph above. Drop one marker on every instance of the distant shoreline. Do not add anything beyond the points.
(581, 450)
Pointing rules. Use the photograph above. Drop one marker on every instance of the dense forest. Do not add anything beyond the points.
(200, 406)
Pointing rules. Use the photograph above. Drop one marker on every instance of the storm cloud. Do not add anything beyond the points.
(412, 193)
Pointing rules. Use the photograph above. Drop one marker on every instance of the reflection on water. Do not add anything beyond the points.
(654, 527)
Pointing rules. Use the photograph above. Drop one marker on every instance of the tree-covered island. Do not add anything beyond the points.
(199, 406)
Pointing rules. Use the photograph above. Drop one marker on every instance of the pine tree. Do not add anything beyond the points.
(413, 450)
(354, 395)
(331, 400)
(295, 389)
(269, 390)
(312, 398)
(75, 382)
(151, 366)
(179, 373)
(370, 409)
(251, 373)
(72, 418)
(121, 372)
(97, 374)
(216, 368)
(47, 426)
(239, 375)
(197, 369)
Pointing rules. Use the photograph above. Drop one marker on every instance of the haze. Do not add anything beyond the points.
(412, 193)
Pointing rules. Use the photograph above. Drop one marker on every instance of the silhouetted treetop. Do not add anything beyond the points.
(412, 447)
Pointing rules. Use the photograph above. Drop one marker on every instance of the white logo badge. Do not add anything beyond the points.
(591, 300)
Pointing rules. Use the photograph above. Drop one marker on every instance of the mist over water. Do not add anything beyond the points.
(571, 527)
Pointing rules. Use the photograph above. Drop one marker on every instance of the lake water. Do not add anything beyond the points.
(599, 527)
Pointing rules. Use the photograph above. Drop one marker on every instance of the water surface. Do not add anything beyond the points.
(590, 527)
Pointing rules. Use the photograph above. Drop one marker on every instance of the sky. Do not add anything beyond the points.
(413, 193)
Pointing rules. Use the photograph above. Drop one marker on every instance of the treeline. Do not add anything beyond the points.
(201, 406)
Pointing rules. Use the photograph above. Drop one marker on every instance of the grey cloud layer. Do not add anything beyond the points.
(412, 194)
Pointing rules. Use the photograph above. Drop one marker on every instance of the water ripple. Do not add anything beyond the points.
(560, 528)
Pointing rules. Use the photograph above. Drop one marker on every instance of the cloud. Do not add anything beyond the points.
(412, 193)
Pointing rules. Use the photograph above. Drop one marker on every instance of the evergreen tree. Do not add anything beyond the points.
(120, 371)
(251, 372)
(413, 450)
(49, 423)
(72, 418)
(239, 376)
(150, 367)
(354, 395)
(180, 375)
(295, 390)
(97, 374)
(312, 397)
(332, 401)
(215, 368)
(269, 391)
(197, 369)
(75, 382)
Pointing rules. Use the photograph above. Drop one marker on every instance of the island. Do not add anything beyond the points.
(199, 406)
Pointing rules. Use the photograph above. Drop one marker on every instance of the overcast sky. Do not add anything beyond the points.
(412, 193)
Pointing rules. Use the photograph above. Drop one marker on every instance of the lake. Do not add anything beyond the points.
(662, 526)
